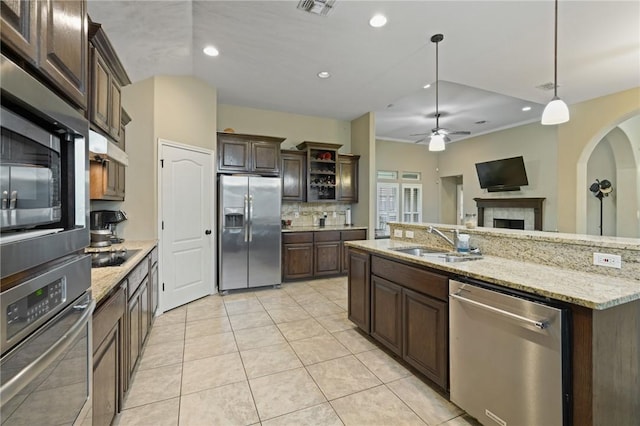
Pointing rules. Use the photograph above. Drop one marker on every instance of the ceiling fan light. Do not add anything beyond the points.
(556, 112)
(436, 143)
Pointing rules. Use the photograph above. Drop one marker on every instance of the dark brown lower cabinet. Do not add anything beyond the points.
(326, 258)
(106, 382)
(359, 294)
(297, 255)
(408, 311)
(316, 254)
(145, 311)
(386, 311)
(425, 335)
(134, 331)
(326, 253)
(108, 359)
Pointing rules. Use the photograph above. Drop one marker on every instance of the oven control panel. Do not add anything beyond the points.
(35, 305)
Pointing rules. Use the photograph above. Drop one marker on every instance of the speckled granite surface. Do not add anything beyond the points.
(566, 251)
(103, 280)
(581, 288)
(317, 228)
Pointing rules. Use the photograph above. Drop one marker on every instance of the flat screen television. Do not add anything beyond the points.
(507, 174)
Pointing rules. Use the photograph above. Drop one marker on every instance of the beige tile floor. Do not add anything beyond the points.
(285, 356)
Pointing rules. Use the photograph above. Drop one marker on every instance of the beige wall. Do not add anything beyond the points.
(590, 122)
(536, 143)
(405, 157)
(185, 111)
(363, 143)
(295, 128)
(180, 109)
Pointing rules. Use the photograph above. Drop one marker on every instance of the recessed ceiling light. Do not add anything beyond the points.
(378, 21)
(527, 108)
(426, 86)
(324, 74)
(210, 51)
(481, 122)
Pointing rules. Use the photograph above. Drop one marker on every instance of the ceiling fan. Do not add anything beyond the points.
(439, 135)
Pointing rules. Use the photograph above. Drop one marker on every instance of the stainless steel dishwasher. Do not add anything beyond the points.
(509, 356)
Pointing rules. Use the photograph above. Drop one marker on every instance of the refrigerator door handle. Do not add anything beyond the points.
(246, 218)
(250, 218)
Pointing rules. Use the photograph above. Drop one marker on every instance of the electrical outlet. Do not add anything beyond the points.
(609, 260)
(296, 214)
(408, 234)
(397, 233)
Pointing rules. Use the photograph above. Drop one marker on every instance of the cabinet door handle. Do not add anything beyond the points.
(207, 232)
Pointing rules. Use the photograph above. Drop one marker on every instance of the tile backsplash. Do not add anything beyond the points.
(309, 214)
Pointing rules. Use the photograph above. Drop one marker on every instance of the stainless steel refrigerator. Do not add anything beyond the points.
(249, 253)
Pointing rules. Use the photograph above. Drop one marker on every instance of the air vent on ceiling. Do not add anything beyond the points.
(546, 86)
(317, 7)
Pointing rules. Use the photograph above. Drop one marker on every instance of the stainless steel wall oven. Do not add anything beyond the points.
(47, 355)
(45, 278)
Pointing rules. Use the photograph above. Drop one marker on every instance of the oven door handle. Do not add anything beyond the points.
(30, 372)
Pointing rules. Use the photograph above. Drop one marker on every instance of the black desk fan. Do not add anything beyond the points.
(601, 188)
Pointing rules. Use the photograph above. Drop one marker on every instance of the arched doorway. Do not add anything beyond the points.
(616, 157)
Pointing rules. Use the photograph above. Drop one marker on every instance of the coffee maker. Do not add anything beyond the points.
(103, 227)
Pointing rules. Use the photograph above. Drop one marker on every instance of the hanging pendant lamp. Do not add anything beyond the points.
(436, 143)
(556, 111)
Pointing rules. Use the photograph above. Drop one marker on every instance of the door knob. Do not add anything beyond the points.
(207, 232)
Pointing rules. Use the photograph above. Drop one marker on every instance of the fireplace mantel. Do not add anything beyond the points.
(519, 203)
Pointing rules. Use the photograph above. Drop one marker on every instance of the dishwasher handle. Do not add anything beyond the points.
(539, 324)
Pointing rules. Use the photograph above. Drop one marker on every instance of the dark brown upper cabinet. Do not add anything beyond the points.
(108, 76)
(51, 36)
(240, 153)
(322, 159)
(294, 175)
(347, 178)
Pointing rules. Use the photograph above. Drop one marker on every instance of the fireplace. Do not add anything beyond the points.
(527, 210)
(508, 223)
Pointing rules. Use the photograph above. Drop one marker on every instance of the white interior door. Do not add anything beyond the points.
(187, 240)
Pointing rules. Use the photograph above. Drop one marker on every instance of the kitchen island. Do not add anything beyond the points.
(605, 307)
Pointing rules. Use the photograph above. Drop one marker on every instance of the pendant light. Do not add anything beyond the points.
(436, 143)
(556, 111)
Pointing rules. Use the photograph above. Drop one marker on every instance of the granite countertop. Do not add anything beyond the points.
(579, 288)
(324, 228)
(103, 280)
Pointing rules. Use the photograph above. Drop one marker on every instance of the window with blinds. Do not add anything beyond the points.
(388, 203)
(412, 202)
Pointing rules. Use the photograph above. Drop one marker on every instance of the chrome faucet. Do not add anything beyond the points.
(439, 233)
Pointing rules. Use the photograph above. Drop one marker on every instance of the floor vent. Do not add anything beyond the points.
(317, 7)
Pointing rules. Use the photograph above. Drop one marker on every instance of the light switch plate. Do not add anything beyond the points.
(296, 214)
(408, 234)
(397, 233)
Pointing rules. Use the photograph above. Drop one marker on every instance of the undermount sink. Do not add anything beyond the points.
(438, 255)
(418, 251)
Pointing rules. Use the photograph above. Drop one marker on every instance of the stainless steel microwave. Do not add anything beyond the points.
(30, 180)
